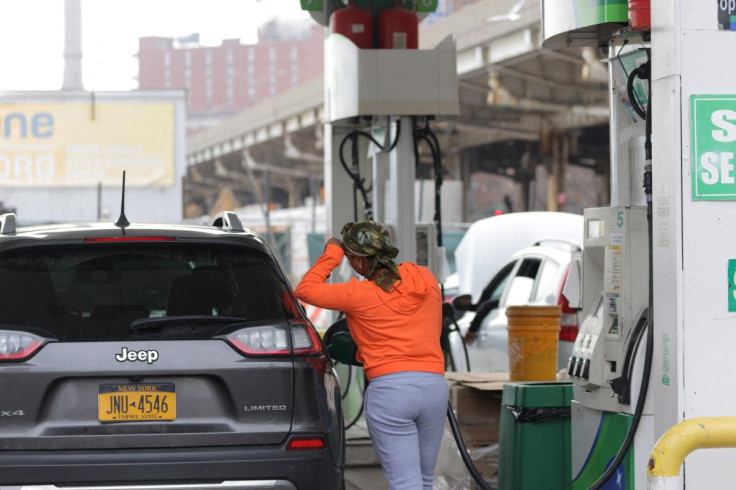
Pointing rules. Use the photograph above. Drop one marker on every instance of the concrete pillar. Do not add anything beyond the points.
(603, 171)
(561, 196)
(295, 197)
(381, 175)
(400, 206)
(465, 178)
(338, 185)
(525, 177)
(553, 175)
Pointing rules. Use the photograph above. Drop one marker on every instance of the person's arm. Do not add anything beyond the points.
(480, 314)
(314, 289)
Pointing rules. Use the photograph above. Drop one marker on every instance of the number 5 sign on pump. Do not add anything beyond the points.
(713, 123)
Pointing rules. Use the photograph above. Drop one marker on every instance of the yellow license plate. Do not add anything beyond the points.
(136, 402)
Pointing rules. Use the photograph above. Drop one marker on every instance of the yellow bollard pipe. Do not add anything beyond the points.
(680, 440)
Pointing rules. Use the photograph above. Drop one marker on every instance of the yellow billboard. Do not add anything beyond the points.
(83, 144)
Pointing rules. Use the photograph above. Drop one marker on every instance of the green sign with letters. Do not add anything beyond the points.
(713, 135)
(731, 284)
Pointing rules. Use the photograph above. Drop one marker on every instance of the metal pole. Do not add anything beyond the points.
(183, 196)
(313, 194)
(400, 208)
(99, 201)
(553, 176)
(267, 204)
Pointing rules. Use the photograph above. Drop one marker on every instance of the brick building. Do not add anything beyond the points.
(223, 80)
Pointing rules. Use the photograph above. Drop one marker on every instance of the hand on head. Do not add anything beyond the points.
(334, 241)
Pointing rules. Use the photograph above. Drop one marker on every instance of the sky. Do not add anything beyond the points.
(32, 35)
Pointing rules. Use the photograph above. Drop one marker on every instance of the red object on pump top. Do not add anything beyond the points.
(354, 23)
(640, 16)
(398, 28)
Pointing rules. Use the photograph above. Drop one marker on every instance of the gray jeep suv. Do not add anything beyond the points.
(163, 356)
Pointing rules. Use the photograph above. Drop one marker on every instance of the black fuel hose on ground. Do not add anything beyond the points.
(464, 450)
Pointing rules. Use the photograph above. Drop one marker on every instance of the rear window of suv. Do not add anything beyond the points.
(96, 292)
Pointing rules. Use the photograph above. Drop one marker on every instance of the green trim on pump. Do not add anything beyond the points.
(611, 434)
(591, 12)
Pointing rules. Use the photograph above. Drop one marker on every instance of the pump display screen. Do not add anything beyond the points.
(596, 229)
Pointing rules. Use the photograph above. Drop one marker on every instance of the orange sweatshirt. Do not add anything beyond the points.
(396, 331)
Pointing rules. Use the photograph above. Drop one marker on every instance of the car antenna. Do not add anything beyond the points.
(122, 221)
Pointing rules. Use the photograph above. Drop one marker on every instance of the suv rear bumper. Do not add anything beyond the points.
(275, 467)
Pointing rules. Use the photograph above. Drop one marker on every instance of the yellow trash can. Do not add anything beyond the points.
(533, 338)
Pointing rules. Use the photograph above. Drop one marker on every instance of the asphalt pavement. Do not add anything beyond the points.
(365, 478)
(363, 471)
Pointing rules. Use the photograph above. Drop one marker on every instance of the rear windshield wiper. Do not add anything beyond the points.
(158, 322)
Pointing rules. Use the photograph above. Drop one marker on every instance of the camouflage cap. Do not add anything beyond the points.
(370, 239)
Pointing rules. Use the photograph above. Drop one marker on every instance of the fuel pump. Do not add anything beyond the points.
(606, 363)
(611, 415)
(615, 285)
(609, 371)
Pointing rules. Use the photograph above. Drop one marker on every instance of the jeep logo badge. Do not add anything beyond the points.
(149, 356)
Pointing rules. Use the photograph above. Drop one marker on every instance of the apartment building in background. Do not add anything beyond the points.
(223, 80)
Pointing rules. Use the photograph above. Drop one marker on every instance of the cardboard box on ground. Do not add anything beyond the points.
(476, 401)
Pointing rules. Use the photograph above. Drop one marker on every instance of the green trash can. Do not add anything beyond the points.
(534, 436)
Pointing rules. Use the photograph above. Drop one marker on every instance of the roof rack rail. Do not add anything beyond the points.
(228, 221)
(559, 242)
(7, 224)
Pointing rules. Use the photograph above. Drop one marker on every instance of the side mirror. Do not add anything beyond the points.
(462, 302)
(572, 289)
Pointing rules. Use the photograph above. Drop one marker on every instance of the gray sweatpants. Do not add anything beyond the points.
(405, 413)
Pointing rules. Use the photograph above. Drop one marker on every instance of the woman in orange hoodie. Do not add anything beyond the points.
(395, 319)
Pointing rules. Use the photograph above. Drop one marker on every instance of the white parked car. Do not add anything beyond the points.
(533, 275)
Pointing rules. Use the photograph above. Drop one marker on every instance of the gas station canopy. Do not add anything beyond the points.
(511, 89)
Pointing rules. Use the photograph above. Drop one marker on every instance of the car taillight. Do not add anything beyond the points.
(302, 443)
(260, 341)
(305, 340)
(271, 340)
(569, 318)
(18, 346)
